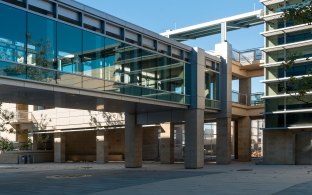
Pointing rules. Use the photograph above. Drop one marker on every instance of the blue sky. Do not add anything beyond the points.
(162, 15)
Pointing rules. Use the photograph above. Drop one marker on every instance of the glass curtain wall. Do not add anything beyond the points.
(63, 54)
(69, 45)
(12, 37)
(41, 44)
(212, 85)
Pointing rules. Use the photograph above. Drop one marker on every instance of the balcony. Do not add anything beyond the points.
(253, 99)
(23, 117)
(248, 59)
(270, 2)
(212, 104)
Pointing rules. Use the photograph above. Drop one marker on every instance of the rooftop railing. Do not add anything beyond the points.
(247, 57)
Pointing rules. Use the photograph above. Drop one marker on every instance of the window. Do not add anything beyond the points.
(12, 34)
(93, 55)
(69, 43)
(41, 44)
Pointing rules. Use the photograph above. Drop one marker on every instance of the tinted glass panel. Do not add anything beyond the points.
(113, 60)
(132, 65)
(41, 44)
(93, 55)
(12, 34)
(69, 45)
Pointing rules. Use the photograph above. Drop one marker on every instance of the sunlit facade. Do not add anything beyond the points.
(287, 119)
(69, 69)
(35, 45)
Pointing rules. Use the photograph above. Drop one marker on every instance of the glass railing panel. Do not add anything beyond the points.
(179, 98)
(149, 93)
(214, 104)
(235, 96)
(41, 75)
(235, 55)
(187, 99)
(164, 95)
(70, 80)
(132, 90)
(239, 98)
(92, 83)
(255, 99)
(45, 75)
(12, 70)
(247, 57)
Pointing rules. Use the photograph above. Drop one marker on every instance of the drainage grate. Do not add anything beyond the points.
(244, 170)
(67, 176)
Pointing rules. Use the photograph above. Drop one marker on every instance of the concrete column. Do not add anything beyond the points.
(101, 147)
(133, 142)
(279, 147)
(224, 49)
(223, 32)
(245, 88)
(223, 140)
(59, 147)
(166, 143)
(235, 140)
(244, 139)
(34, 141)
(194, 139)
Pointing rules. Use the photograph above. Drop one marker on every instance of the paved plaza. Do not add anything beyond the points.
(154, 178)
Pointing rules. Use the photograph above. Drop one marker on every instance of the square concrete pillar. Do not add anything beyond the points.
(166, 143)
(245, 90)
(101, 147)
(59, 147)
(194, 139)
(279, 147)
(223, 140)
(133, 142)
(244, 139)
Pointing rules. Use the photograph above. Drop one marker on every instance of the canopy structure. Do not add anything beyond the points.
(217, 26)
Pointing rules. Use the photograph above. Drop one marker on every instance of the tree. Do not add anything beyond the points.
(298, 87)
(300, 13)
(111, 120)
(5, 119)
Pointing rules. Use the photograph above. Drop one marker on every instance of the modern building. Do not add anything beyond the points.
(287, 133)
(57, 54)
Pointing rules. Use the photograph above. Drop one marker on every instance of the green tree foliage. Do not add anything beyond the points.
(298, 87)
(5, 144)
(5, 118)
(301, 13)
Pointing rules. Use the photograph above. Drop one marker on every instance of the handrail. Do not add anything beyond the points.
(25, 116)
(251, 99)
(248, 56)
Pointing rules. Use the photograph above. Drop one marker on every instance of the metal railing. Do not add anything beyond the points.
(22, 116)
(255, 99)
(25, 117)
(247, 57)
(214, 104)
(252, 99)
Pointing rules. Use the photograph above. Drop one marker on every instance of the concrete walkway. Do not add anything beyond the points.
(154, 178)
